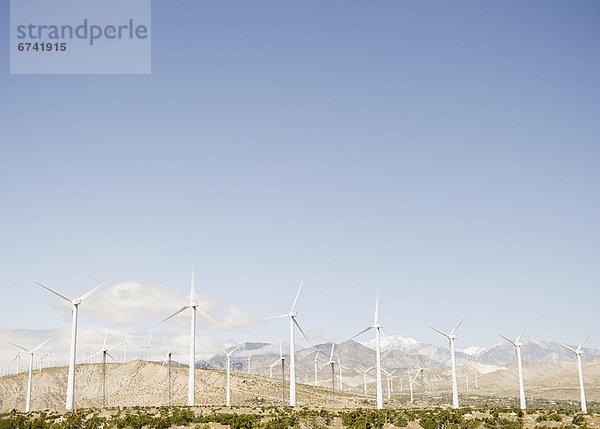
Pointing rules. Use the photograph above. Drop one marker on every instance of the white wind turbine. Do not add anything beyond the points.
(365, 377)
(451, 337)
(518, 344)
(282, 360)
(124, 344)
(292, 315)
(47, 355)
(228, 355)
(168, 356)
(192, 373)
(411, 381)
(377, 326)
(147, 348)
(249, 357)
(389, 383)
(578, 352)
(31, 352)
(17, 358)
(316, 368)
(340, 367)
(332, 364)
(105, 353)
(73, 353)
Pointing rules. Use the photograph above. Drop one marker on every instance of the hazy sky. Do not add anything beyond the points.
(444, 154)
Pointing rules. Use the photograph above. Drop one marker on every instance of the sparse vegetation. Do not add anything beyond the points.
(304, 418)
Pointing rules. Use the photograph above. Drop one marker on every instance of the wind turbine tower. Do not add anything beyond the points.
(377, 326)
(578, 352)
(316, 368)
(292, 315)
(451, 337)
(31, 352)
(411, 381)
(228, 355)
(518, 344)
(192, 368)
(73, 353)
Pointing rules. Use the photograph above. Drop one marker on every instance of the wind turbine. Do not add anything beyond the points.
(228, 354)
(169, 354)
(124, 344)
(31, 352)
(411, 381)
(192, 373)
(282, 360)
(249, 357)
(316, 369)
(147, 348)
(17, 358)
(105, 353)
(578, 352)
(451, 337)
(73, 353)
(389, 384)
(365, 377)
(47, 355)
(377, 326)
(518, 344)
(340, 367)
(332, 364)
(292, 315)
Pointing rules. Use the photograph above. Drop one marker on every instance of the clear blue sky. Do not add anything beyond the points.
(444, 154)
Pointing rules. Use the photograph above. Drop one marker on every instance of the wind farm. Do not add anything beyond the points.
(361, 215)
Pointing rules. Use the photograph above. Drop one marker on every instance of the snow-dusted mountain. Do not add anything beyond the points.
(501, 353)
(393, 342)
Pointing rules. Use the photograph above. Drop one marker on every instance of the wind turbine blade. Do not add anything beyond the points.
(569, 348)
(219, 347)
(441, 332)
(582, 343)
(163, 343)
(317, 355)
(55, 292)
(231, 352)
(296, 323)
(456, 327)
(275, 363)
(510, 341)
(207, 316)
(192, 291)
(362, 332)
(105, 335)
(331, 356)
(111, 356)
(276, 317)
(40, 345)
(175, 314)
(85, 295)
(386, 337)
(296, 299)
(21, 347)
(96, 354)
(519, 337)
(376, 309)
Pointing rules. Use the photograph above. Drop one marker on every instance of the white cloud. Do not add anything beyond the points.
(130, 303)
